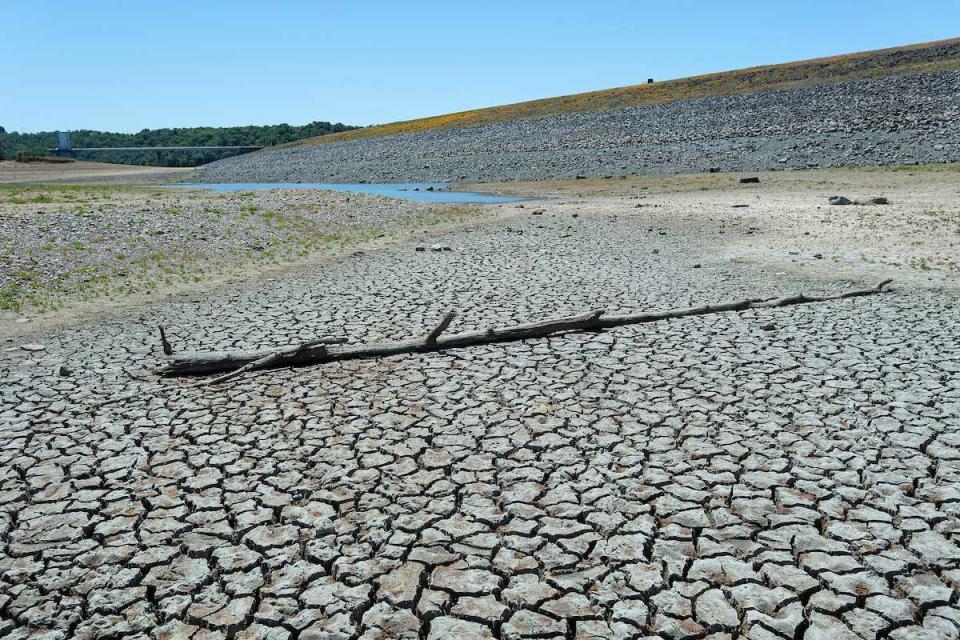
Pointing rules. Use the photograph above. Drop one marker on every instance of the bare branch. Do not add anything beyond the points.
(333, 349)
(447, 319)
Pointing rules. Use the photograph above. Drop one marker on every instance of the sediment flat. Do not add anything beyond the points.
(772, 473)
(82, 172)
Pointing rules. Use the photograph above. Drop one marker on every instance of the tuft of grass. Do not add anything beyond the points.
(11, 298)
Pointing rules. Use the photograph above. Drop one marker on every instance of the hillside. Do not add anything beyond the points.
(895, 119)
(906, 60)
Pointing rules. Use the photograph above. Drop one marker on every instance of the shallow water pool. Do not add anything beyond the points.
(422, 191)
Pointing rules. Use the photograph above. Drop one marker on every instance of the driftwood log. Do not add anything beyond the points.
(332, 349)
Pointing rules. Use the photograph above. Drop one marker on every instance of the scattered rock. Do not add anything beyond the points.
(32, 346)
(420, 249)
(769, 327)
(740, 206)
(840, 200)
(752, 180)
(64, 372)
(872, 201)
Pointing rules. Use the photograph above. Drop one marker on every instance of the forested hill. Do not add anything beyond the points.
(14, 143)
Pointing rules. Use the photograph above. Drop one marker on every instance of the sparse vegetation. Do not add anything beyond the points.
(73, 251)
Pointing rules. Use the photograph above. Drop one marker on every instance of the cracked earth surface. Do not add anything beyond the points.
(704, 477)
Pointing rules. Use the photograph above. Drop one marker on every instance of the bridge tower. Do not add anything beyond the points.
(63, 144)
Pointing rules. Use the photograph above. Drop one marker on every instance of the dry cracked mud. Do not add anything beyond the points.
(789, 473)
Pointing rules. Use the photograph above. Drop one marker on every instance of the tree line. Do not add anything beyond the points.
(14, 144)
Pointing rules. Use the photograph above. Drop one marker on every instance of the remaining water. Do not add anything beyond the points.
(423, 191)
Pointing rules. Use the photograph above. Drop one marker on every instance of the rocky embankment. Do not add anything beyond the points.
(892, 120)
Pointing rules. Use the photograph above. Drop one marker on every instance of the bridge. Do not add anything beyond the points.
(64, 148)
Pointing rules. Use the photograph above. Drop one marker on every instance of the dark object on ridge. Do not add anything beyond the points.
(840, 200)
(753, 180)
(649, 80)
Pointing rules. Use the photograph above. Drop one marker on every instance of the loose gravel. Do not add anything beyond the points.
(886, 121)
(787, 473)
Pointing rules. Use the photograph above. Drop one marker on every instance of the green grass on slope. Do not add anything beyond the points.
(919, 58)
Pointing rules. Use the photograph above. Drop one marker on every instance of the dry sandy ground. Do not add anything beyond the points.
(79, 172)
(774, 474)
(786, 223)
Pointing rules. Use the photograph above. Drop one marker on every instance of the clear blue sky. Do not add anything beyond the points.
(128, 65)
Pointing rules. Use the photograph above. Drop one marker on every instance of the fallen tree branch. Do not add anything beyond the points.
(269, 360)
(216, 361)
(742, 305)
(324, 350)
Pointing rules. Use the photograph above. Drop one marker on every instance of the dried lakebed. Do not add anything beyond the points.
(787, 473)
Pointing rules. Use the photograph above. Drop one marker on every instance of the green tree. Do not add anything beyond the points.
(17, 143)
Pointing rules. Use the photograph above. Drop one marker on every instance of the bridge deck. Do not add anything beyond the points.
(201, 148)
